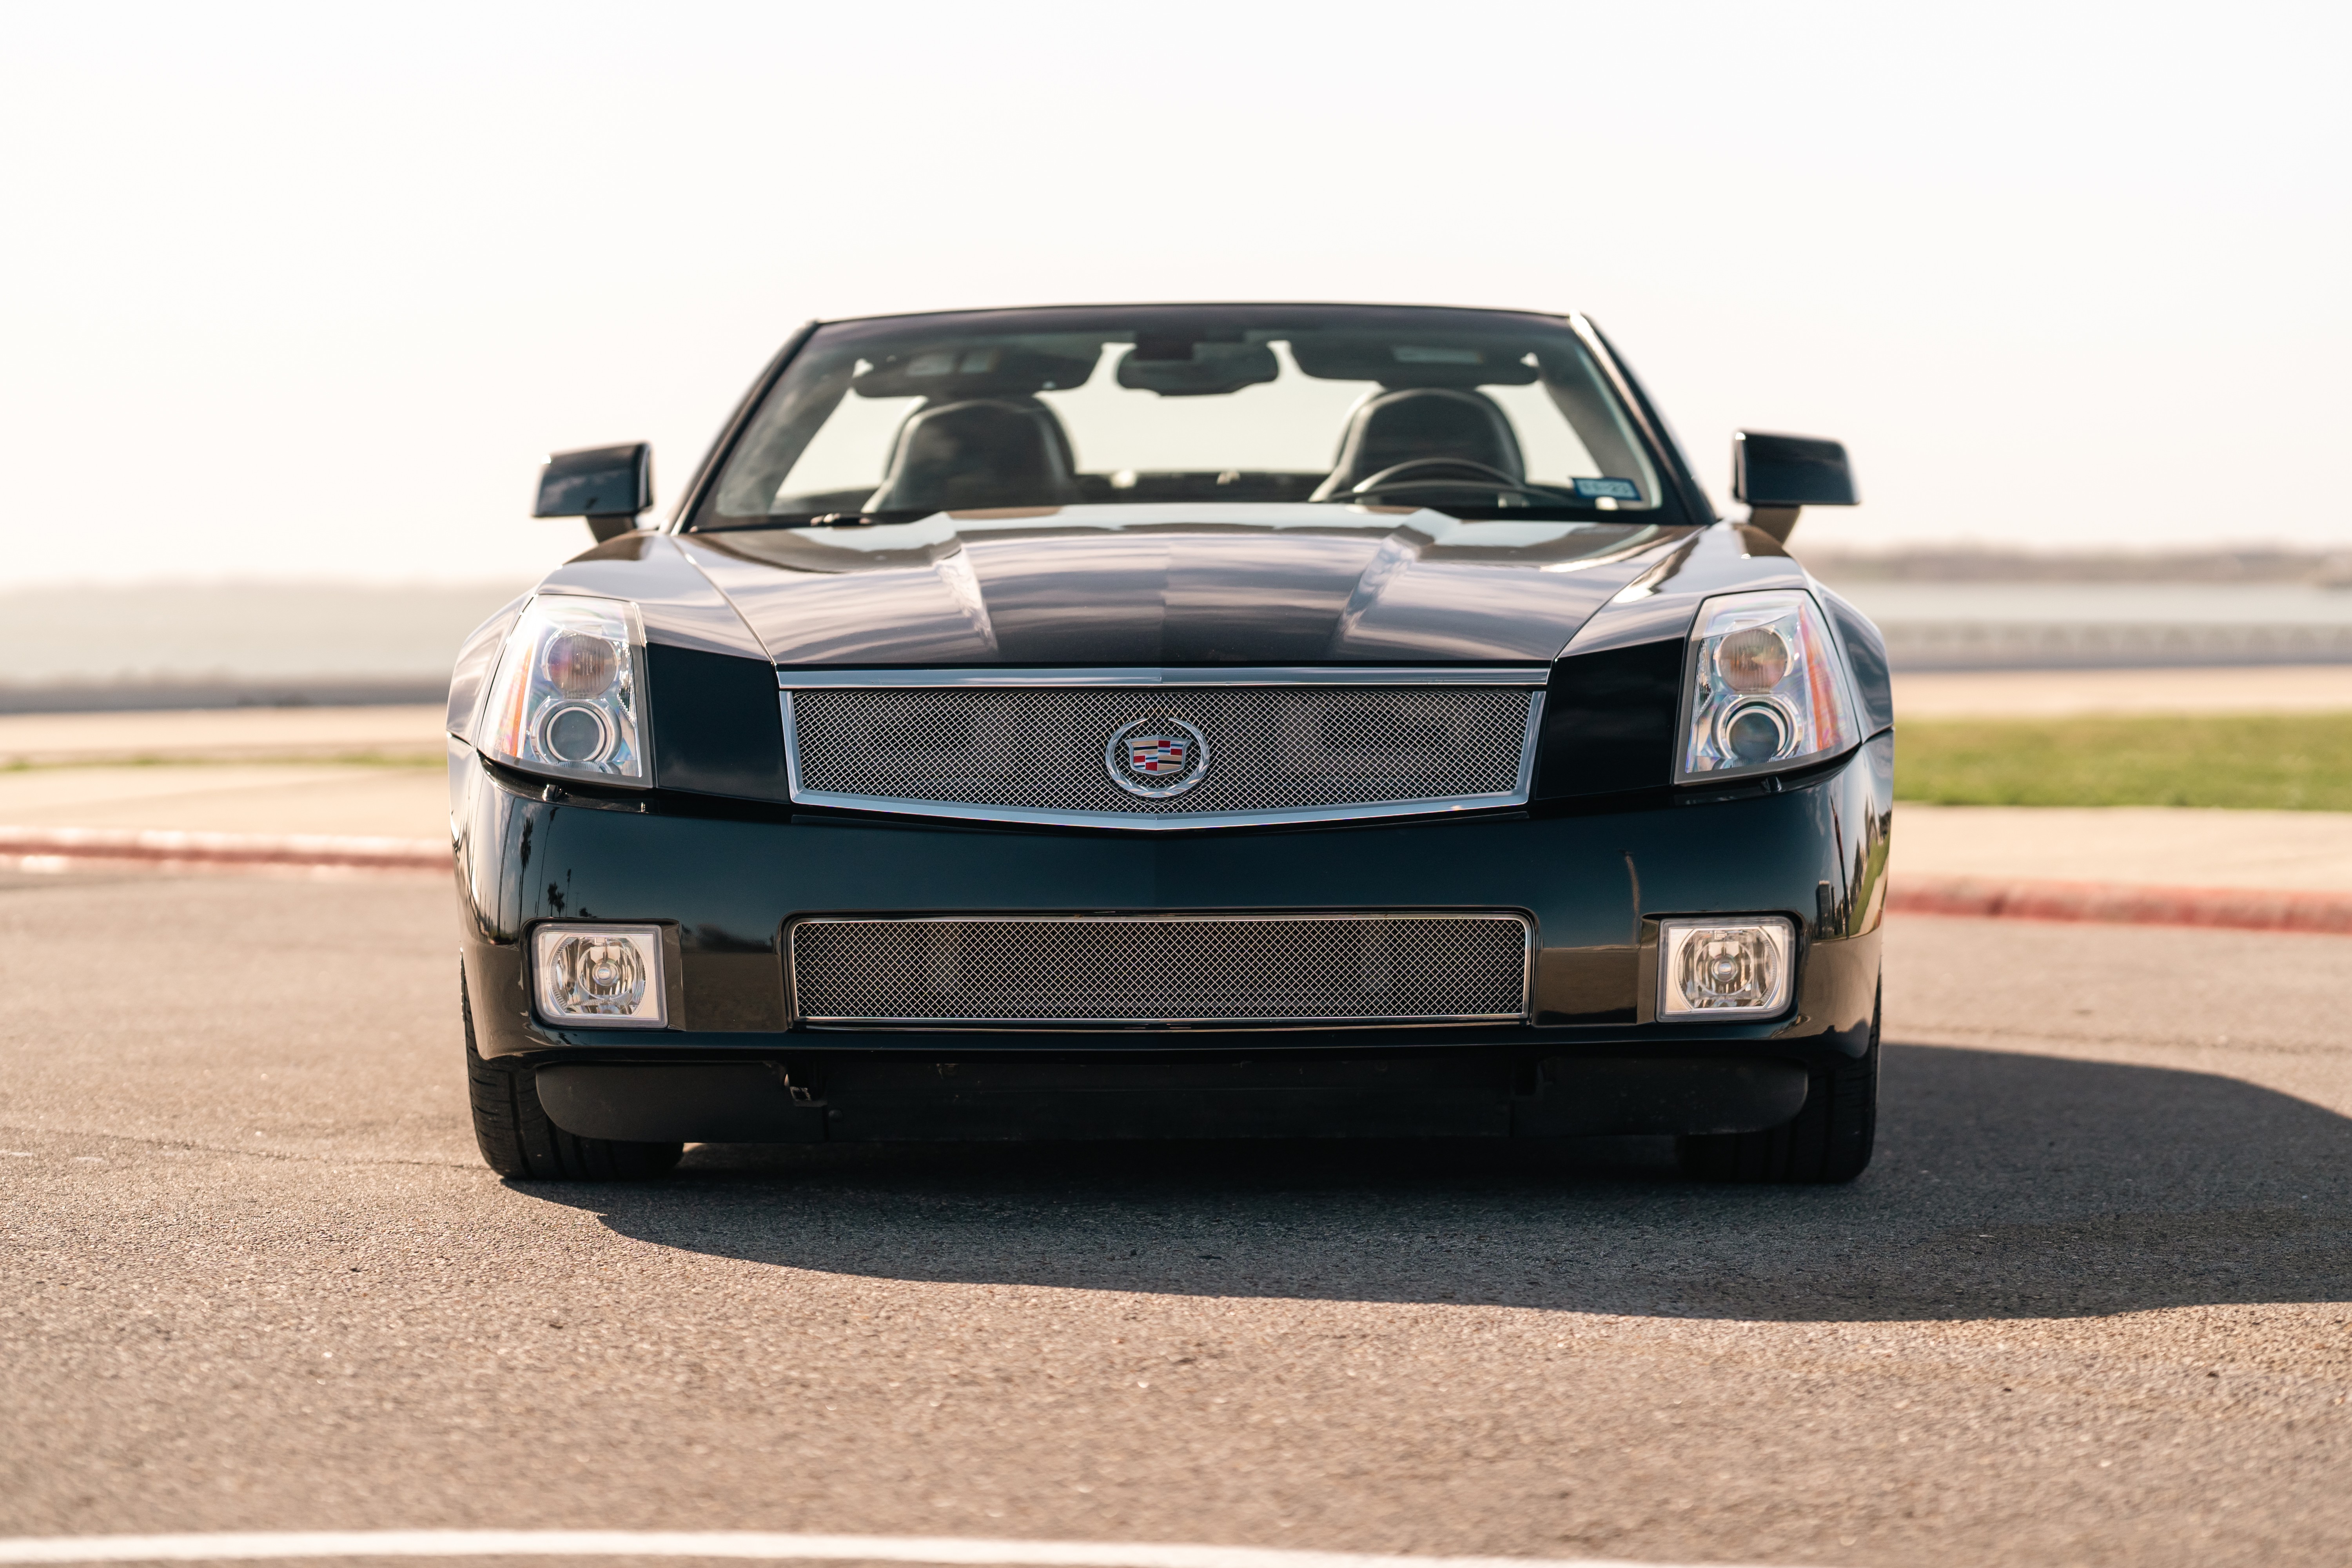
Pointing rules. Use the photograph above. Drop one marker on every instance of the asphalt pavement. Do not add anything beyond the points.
(2055, 693)
(405, 732)
(2092, 1304)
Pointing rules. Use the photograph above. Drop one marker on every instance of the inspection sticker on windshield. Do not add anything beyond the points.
(1615, 490)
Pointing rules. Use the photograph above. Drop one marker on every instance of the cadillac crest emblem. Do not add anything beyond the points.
(1156, 758)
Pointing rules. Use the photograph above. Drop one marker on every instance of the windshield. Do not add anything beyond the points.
(1471, 413)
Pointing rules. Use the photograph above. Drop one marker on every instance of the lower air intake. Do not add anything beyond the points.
(1058, 970)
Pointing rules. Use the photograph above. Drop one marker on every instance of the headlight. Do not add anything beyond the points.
(569, 695)
(1762, 687)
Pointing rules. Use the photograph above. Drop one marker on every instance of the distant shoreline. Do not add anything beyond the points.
(1974, 563)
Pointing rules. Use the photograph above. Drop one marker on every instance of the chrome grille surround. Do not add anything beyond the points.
(1316, 969)
(1287, 745)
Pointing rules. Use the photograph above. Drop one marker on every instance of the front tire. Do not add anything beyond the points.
(1828, 1142)
(518, 1140)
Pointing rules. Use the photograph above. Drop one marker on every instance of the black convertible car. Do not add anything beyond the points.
(1206, 720)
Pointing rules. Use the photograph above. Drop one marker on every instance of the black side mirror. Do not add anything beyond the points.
(609, 486)
(1778, 475)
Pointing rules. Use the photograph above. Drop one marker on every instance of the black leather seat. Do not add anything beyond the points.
(984, 452)
(1417, 422)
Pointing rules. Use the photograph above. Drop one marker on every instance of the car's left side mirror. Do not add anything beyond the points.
(609, 486)
(1777, 476)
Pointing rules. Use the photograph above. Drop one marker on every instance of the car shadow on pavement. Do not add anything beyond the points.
(2005, 1185)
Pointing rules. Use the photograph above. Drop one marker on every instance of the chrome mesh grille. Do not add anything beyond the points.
(1116, 968)
(1270, 748)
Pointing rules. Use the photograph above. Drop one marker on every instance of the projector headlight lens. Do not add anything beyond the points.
(603, 976)
(568, 697)
(1757, 730)
(1766, 686)
(575, 733)
(1733, 968)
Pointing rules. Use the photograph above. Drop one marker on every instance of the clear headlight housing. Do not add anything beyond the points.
(1764, 687)
(569, 696)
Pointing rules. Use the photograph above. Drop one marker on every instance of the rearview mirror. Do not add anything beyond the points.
(1185, 369)
(609, 486)
(1778, 475)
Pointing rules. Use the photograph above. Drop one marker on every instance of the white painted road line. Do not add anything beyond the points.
(725, 1544)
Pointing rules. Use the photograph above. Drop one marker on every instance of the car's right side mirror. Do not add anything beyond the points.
(608, 486)
(1777, 476)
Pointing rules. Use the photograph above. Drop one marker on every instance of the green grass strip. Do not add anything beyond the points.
(2282, 762)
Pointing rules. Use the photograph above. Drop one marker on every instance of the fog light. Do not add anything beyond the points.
(605, 976)
(1724, 968)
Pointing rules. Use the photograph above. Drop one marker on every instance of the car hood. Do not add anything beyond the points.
(1149, 584)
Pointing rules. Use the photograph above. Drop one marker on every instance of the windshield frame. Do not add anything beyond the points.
(1680, 503)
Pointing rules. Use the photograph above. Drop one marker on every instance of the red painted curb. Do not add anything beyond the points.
(219, 851)
(2122, 903)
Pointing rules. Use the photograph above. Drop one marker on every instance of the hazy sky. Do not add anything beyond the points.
(309, 292)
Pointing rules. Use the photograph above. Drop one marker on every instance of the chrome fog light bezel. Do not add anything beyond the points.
(1674, 937)
(650, 945)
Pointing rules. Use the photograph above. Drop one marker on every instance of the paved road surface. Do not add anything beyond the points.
(2093, 1304)
(2172, 845)
(2049, 693)
(224, 735)
(338, 798)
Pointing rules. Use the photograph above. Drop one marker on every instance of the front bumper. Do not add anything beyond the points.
(727, 881)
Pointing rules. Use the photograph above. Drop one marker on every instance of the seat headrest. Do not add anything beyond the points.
(1423, 421)
(984, 452)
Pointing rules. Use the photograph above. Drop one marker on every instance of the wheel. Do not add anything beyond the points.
(1829, 1140)
(519, 1141)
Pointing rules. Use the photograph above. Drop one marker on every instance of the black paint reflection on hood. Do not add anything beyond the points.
(1173, 585)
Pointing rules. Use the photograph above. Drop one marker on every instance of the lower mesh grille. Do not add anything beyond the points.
(1207, 969)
